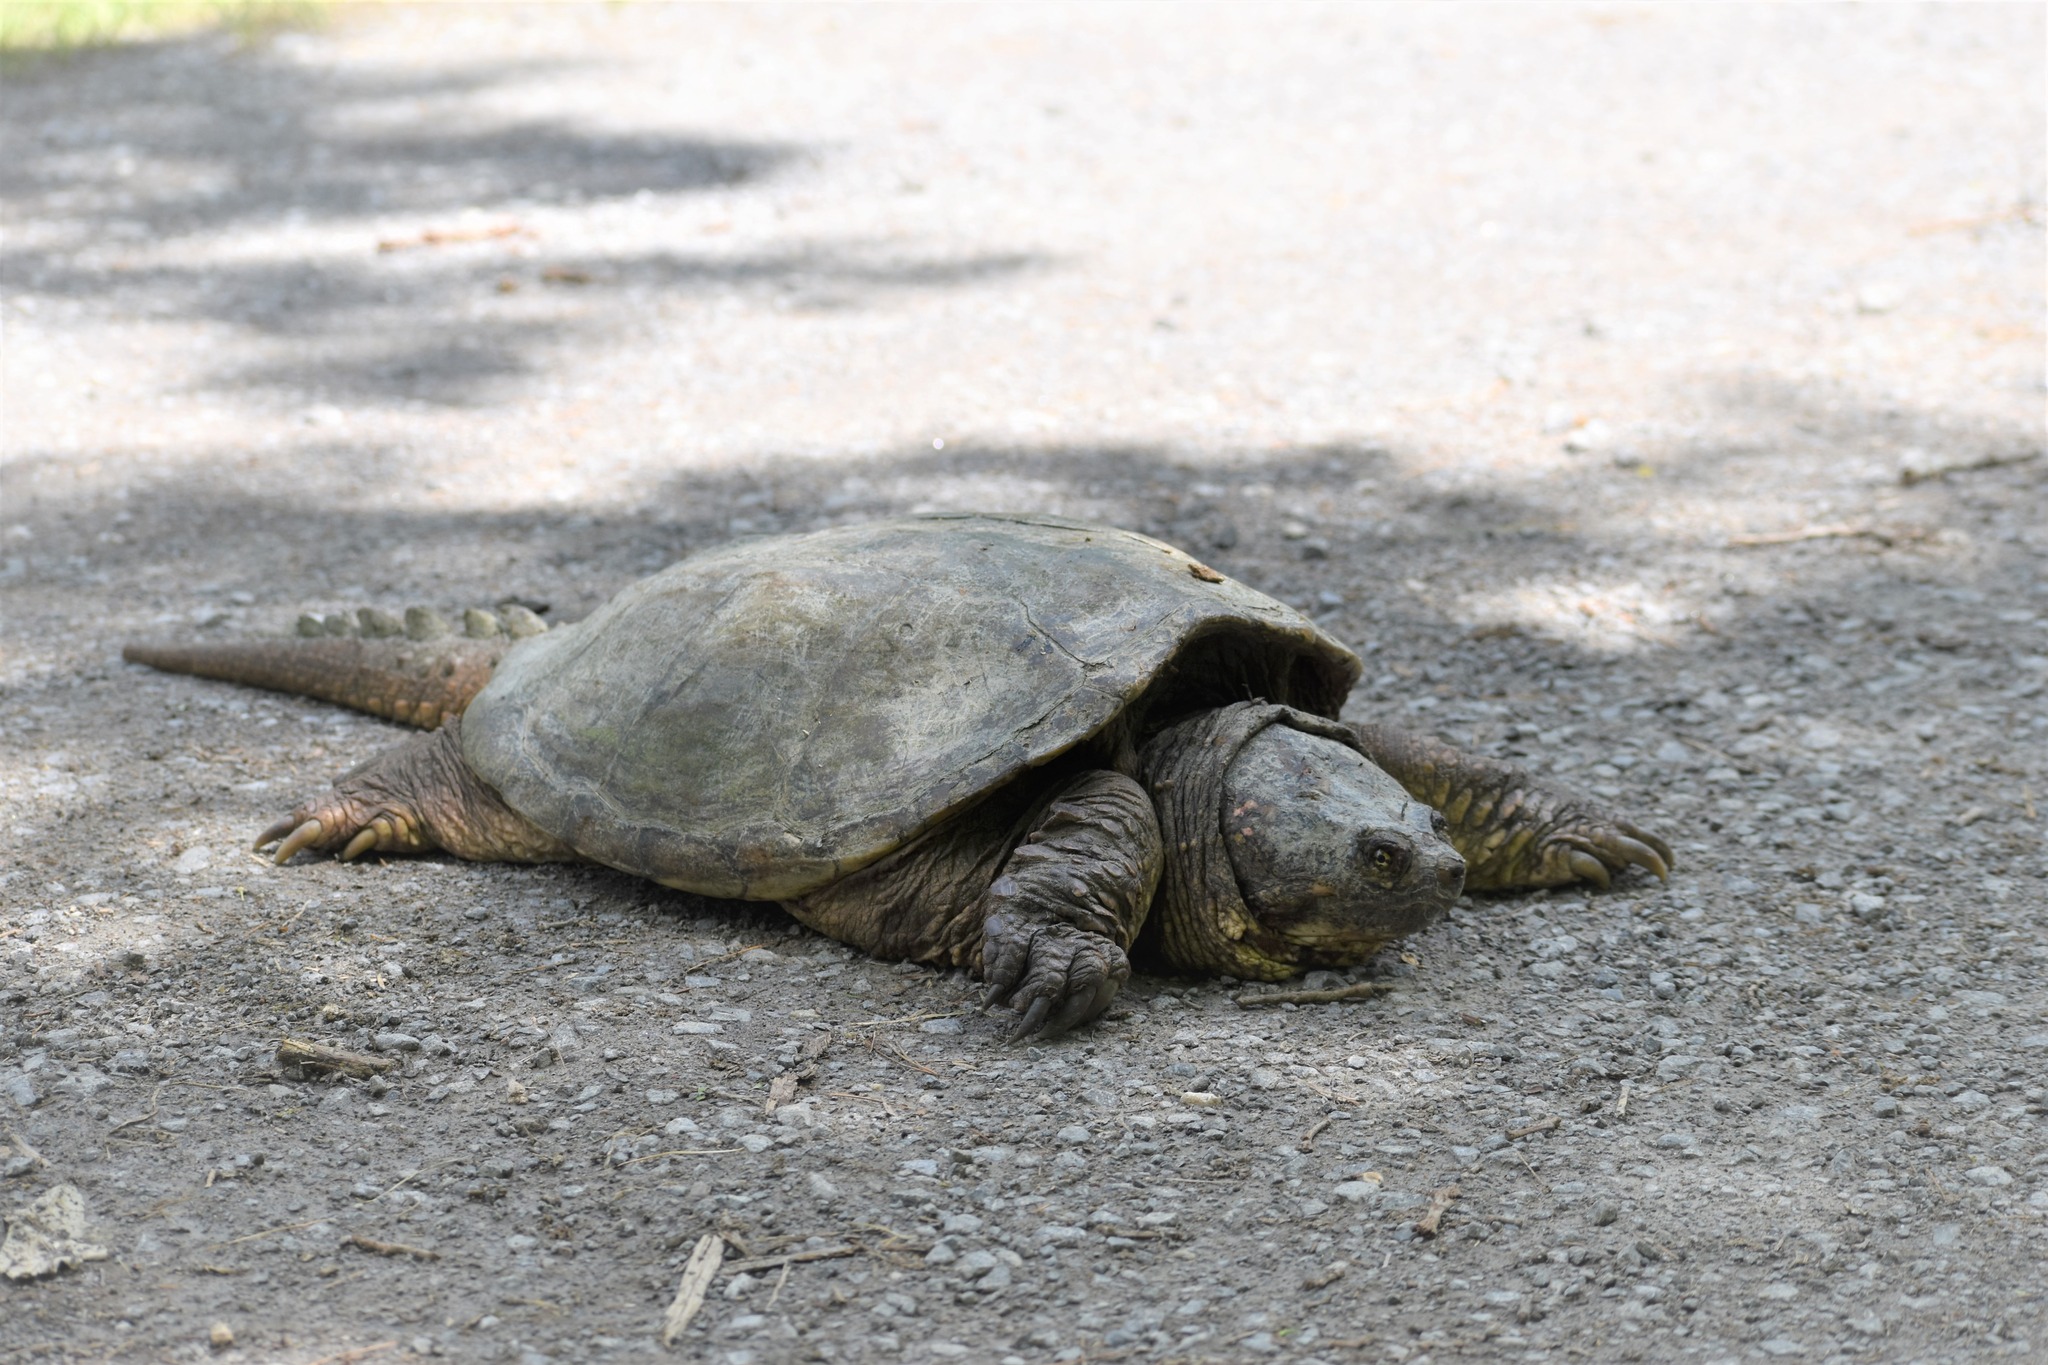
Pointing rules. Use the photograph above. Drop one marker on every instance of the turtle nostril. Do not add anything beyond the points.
(1450, 875)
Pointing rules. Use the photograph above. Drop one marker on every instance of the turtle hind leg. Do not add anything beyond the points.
(414, 798)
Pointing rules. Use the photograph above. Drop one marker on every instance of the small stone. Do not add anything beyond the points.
(17, 1086)
(1605, 1212)
(755, 1142)
(1884, 1106)
(1869, 1325)
(1074, 1133)
(697, 1026)
(1590, 439)
(821, 1187)
(976, 1264)
(939, 1026)
(1990, 1176)
(942, 1253)
(1357, 1191)
(1971, 1100)
(920, 1166)
(193, 860)
(1201, 1098)
(1781, 1346)
(220, 1336)
(396, 1042)
(663, 1096)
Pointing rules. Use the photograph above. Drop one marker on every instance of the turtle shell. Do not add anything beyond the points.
(762, 719)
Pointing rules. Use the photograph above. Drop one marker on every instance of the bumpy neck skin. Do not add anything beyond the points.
(1202, 921)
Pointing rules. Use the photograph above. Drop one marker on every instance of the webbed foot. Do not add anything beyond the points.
(1056, 977)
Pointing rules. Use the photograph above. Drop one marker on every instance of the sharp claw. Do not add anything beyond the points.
(277, 831)
(305, 836)
(1033, 1020)
(364, 841)
(1641, 854)
(1078, 1010)
(1587, 867)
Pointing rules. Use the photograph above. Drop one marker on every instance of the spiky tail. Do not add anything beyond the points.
(416, 682)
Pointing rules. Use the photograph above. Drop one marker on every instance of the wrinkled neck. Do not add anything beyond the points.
(1199, 921)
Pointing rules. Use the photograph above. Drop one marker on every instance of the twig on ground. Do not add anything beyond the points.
(1308, 1139)
(453, 236)
(310, 1056)
(1805, 533)
(1540, 1126)
(21, 1145)
(1440, 1202)
(1621, 1101)
(682, 1151)
(790, 1259)
(1913, 474)
(349, 1357)
(697, 1276)
(1362, 991)
(371, 1244)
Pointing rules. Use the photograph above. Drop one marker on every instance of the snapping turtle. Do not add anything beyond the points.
(1012, 743)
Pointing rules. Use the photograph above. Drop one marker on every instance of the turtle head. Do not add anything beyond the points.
(1333, 858)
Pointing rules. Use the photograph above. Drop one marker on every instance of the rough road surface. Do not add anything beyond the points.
(1651, 393)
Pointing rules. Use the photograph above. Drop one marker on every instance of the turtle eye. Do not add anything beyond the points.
(1387, 858)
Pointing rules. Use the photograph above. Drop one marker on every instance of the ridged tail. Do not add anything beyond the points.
(414, 682)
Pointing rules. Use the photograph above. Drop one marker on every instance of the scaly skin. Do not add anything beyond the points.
(415, 798)
(1514, 830)
(414, 682)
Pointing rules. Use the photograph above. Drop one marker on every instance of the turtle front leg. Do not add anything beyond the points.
(414, 798)
(1068, 904)
(1513, 829)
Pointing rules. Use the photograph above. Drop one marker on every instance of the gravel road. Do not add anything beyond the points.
(1652, 394)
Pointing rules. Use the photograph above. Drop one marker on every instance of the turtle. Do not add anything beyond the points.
(1022, 745)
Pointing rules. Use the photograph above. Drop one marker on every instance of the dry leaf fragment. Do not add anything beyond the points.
(48, 1236)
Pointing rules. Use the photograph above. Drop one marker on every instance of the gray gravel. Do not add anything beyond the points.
(1653, 394)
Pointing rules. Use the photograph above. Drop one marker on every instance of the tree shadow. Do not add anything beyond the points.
(122, 160)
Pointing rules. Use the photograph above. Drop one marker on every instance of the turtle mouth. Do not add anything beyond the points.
(1337, 922)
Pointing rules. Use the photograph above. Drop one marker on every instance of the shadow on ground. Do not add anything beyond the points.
(125, 160)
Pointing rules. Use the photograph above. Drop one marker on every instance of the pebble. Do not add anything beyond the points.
(1074, 1133)
(697, 1026)
(192, 860)
(1970, 1100)
(397, 1042)
(939, 1026)
(756, 1142)
(1990, 1176)
(19, 1088)
(220, 1336)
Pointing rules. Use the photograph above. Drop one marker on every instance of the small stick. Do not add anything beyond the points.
(690, 1290)
(780, 1280)
(452, 236)
(1439, 1203)
(1540, 1126)
(1362, 991)
(31, 1153)
(350, 1357)
(1621, 1101)
(371, 1244)
(1910, 476)
(682, 1151)
(1814, 533)
(311, 1056)
(1308, 1139)
(793, 1258)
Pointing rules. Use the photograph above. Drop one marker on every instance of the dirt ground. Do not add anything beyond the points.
(1653, 394)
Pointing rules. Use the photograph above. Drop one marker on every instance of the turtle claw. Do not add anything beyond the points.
(1587, 868)
(295, 833)
(1057, 977)
(1601, 845)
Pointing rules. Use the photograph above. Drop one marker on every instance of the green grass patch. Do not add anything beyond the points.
(30, 28)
